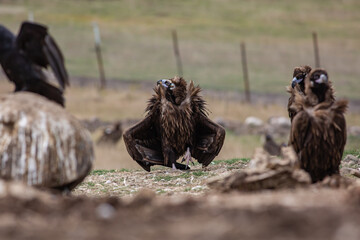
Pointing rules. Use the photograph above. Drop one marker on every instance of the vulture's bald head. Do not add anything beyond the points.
(318, 87)
(299, 76)
(174, 89)
(318, 78)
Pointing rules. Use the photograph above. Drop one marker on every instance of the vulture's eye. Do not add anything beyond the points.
(172, 86)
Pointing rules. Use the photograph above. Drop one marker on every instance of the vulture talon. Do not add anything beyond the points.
(188, 158)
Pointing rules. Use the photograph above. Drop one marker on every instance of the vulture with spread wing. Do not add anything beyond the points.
(318, 130)
(24, 56)
(176, 125)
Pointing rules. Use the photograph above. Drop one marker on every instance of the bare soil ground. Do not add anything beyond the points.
(166, 204)
(161, 180)
(289, 214)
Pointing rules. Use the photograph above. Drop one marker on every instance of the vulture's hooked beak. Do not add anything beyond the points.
(166, 83)
(295, 81)
(322, 79)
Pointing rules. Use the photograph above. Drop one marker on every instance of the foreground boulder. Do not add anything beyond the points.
(41, 144)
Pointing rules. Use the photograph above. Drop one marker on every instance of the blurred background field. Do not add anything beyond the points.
(137, 43)
(137, 48)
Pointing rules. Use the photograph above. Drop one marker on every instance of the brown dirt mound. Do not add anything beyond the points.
(295, 214)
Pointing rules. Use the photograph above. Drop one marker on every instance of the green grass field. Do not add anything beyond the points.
(137, 40)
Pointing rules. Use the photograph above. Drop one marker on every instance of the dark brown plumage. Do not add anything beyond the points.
(318, 130)
(297, 85)
(23, 58)
(176, 124)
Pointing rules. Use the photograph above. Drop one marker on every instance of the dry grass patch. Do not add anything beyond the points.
(125, 182)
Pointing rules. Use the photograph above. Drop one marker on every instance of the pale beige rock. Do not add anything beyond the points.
(266, 172)
(40, 143)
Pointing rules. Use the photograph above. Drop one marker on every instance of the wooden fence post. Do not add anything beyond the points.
(31, 16)
(177, 53)
(245, 72)
(99, 56)
(316, 50)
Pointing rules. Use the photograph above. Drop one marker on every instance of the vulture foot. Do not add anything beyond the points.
(187, 158)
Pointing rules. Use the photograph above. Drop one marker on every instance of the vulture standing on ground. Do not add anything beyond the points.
(23, 58)
(318, 131)
(176, 125)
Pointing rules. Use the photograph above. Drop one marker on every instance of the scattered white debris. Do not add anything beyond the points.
(125, 182)
(105, 211)
(253, 122)
(197, 188)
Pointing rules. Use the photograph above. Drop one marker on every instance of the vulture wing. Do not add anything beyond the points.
(301, 134)
(339, 128)
(143, 143)
(293, 92)
(209, 139)
(37, 44)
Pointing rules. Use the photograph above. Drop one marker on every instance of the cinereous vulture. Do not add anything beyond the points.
(23, 58)
(176, 125)
(298, 85)
(318, 130)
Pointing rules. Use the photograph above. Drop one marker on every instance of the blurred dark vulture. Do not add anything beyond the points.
(271, 146)
(111, 134)
(318, 131)
(176, 125)
(23, 58)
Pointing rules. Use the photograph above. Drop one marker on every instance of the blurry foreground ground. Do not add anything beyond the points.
(287, 214)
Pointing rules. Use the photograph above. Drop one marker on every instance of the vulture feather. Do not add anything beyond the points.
(318, 130)
(176, 125)
(24, 56)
